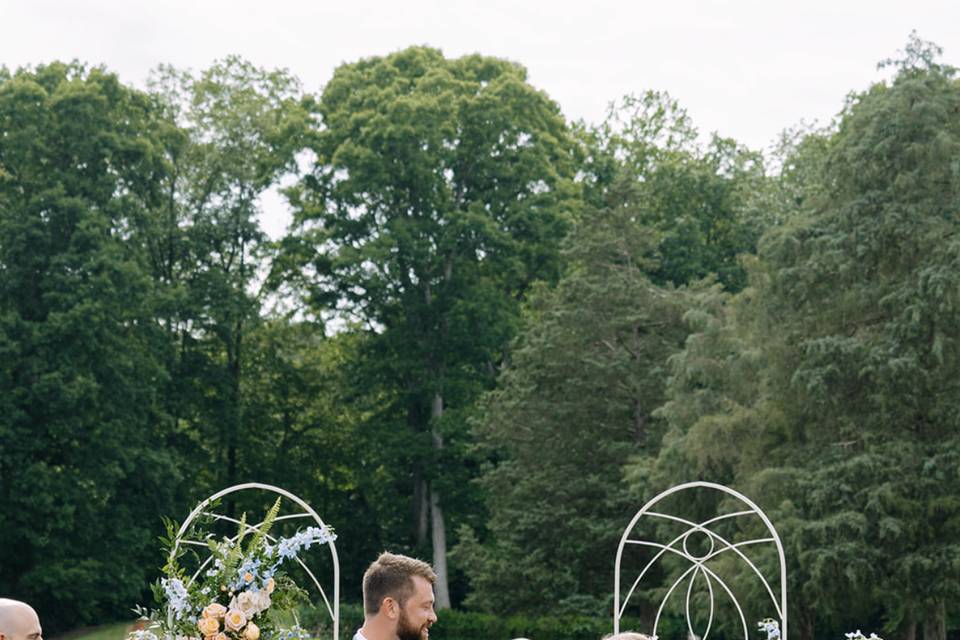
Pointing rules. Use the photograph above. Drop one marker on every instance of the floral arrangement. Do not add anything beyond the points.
(771, 627)
(245, 594)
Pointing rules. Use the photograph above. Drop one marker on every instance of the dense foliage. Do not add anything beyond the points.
(440, 192)
(488, 336)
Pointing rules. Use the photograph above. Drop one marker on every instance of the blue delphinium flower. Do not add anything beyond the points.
(251, 567)
(176, 596)
(288, 548)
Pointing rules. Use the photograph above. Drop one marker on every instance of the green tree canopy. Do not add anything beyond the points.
(699, 200)
(229, 134)
(573, 406)
(82, 477)
(440, 192)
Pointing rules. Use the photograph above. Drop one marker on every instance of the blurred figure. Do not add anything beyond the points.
(18, 621)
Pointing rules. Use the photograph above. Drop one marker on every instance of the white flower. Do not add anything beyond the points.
(250, 602)
(771, 626)
(318, 535)
(263, 599)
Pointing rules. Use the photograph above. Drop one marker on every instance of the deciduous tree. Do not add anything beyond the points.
(440, 193)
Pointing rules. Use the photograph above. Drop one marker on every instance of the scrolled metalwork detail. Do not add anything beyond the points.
(715, 545)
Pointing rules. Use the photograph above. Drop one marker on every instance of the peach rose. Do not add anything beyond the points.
(252, 632)
(214, 610)
(271, 585)
(234, 620)
(208, 626)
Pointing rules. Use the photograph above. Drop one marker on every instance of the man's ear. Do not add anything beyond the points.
(389, 606)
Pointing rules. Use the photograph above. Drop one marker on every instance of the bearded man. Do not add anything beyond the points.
(397, 599)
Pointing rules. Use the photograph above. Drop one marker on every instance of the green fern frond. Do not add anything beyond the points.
(236, 553)
(264, 528)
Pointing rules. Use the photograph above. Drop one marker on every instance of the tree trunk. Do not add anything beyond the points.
(439, 531)
(908, 630)
(806, 627)
(935, 622)
(421, 490)
(235, 417)
(232, 417)
(234, 372)
(421, 507)
(437, 525)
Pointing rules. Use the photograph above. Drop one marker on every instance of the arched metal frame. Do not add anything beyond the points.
(698, 566)
(332, 608)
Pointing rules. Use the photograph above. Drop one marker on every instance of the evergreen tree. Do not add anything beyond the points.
(590, 369)
(848, 336)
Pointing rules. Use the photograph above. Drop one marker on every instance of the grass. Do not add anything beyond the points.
(115, 631)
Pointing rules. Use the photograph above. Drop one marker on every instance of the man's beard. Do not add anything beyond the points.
(406, 631)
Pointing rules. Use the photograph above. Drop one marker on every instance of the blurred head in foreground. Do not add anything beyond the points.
(18, 621)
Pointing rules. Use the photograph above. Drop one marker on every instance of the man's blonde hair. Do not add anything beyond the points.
(391, 576)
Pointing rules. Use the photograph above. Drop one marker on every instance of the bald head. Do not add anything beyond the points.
(18, 621)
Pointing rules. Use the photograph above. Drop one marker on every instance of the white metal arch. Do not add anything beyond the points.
(333, 605)
(698, 568)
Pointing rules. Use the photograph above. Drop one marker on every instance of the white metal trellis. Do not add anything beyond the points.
(333, 607)
(698, 569)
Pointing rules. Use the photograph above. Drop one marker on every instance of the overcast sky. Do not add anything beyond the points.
(744, 68)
